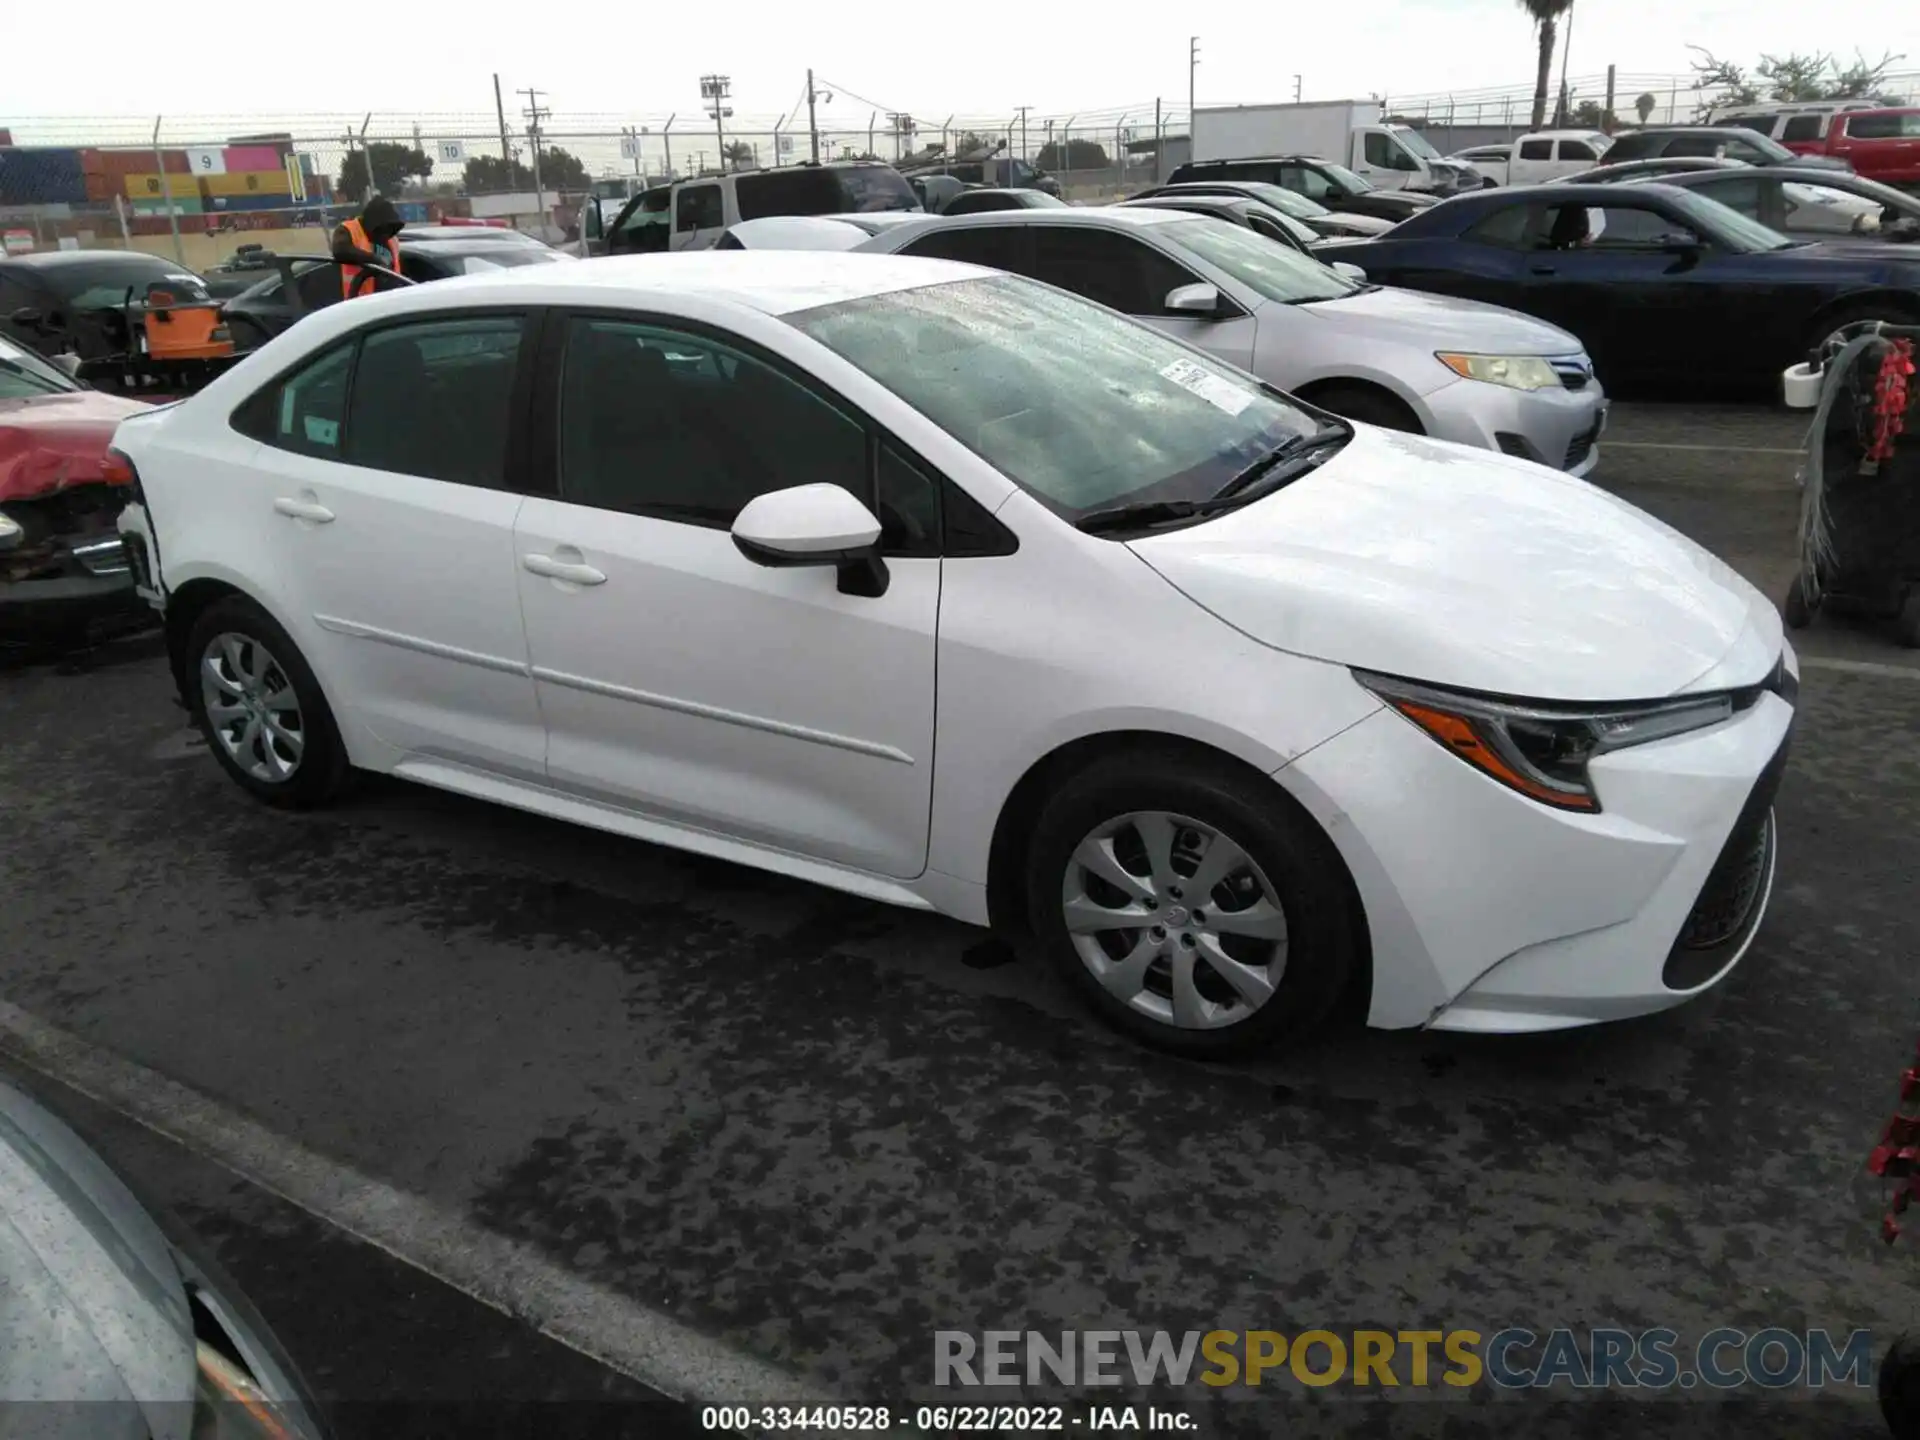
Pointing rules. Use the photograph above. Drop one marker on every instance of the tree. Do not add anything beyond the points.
(490, 175)
(739, 154)
(1643, 107)
(561, 170)
(1592, 115)
(1860, 80)
(393, 165)
(1790, 77)
(968, 141)
(1081, 155)
(1794, 77)
(1546, 20)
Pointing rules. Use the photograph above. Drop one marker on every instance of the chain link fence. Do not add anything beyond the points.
(197, 188)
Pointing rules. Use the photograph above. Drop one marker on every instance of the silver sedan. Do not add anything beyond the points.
(1452, 369)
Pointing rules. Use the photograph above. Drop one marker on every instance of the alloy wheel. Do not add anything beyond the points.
(1175, 920)
(251, 707)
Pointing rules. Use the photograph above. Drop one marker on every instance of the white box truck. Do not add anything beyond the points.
(1353, 133)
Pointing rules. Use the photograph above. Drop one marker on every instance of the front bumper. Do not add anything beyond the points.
(1489, 912)
(83, 587)
(1558, 428)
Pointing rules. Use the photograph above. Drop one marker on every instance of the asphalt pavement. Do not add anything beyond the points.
(479, 1106)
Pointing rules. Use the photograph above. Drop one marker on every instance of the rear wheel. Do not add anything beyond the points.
(1794, 609)
(258, 704)
(1907, 627)
(1366, 405)
(1192, 906)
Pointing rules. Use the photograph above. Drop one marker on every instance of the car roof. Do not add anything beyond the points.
(1573, 134)
(1094, 216)
(773, 282)
(1257, 160)
(1714, 130)
(64, 259)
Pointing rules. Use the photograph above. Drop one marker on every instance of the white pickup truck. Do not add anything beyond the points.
(1536, 159)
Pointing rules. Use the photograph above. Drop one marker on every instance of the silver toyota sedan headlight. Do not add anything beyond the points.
(1516, 372)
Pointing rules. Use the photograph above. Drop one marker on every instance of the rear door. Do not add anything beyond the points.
(699, 216)
(1532, 162)
(1883, 145)
(382, 502)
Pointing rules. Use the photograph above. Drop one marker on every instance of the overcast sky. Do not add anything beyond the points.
(645, 61)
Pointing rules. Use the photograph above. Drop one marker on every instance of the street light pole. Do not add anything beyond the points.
(716, 88)
(1193, 66)
(813, 125)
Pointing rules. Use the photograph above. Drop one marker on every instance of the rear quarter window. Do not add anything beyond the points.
(788, 192)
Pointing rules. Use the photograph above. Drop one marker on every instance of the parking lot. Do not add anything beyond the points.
(414, 1062)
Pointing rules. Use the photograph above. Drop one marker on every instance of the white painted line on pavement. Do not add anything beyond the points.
(1709, 449)
(1860, 667)
(502, 1274)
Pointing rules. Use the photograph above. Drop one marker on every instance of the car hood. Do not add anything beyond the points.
(1439, 322)
(92, 1306)
(1435, 562)
(1333, 223)
(52, 442)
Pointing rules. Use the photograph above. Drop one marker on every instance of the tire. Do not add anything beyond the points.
(1907, 626)
(1794, 609)
(1290, 974)
(1366, 405)
(1899, 1386)
(240, 654)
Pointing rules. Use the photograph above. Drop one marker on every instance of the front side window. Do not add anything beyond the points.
(1269, 270)
(1079, 406)
(1310, 183)
(1381, 150)
(1577, 150)
(698, 208)
(1116, 270)
(435, 399)
(1734, 193)
(658, 422)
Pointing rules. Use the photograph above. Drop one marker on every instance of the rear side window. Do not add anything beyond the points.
(864, 189)
(1883, 127)
(1117, 270)
(1802, 127)
(436, 399)
(305, 412)
(1577, 150)
(799, 191)
(1536, 149)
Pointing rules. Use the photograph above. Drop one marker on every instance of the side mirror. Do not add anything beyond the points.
(1683, 243)
(27, 318)
(1352, 272)
(809, 525)
(10, 534)
(1194, 300)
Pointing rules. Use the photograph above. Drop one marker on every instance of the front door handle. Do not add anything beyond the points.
(572, 572)
(1545, 270)
(303, 510)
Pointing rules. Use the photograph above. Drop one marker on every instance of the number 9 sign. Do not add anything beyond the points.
(207, 162)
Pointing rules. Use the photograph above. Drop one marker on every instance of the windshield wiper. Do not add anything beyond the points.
(1296, 455)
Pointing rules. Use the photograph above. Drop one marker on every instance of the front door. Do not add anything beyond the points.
(678, 678)
(382, 504)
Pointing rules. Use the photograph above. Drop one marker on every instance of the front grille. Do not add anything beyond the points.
(1581, 444)
(1731, 903)
(1574, 372)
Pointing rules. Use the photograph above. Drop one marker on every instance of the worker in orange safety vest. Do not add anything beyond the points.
(368, 239)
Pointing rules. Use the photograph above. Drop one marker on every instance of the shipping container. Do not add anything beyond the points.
(235, 204)
(242, 158)
(135, 162)
(186, 201)
(252, 182)
(155, 188)
(42, 177)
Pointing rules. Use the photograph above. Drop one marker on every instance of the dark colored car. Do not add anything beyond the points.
(117, 1321)
(1322, 181)
(999, 171)
(936, 192)
(1291, 203)
(1657, 168)
(1806, 205)
(1729, 142)
(58, 300)
(63, 571)
(1661, 284)
(975, 202)
(269, 307)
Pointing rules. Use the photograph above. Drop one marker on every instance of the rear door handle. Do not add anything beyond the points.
(570, 571)
(303, 510)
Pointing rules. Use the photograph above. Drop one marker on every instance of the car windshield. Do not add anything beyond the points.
(1081, 407)
(103, 283)
(496, 257)
(1417, 143)
(24, 375)
(1287, 202)
(1270, 270)
(1345, 179)
(1737, 232)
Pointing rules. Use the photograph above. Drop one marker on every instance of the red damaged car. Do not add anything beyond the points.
(63, 573)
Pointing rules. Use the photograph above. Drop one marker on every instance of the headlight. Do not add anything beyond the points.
(229, 1406)
(1542, 750)
(1516, 372)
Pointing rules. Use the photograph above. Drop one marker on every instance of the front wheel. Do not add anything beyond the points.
(1794, 609)
(1366, 405)
(1907, 626)
(260, 708)
(1195, 908)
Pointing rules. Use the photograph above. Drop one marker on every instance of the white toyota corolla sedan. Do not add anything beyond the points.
(950, 589)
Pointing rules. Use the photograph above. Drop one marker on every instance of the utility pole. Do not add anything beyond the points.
(1193, 66)
(1606, 115)
(1566, 51)
(813, 124)
(166, 192)
(1296, 89)
(506, 145)
(666, 139)
(902, 125)
(714, 89)
(1159, 144)
(1023, 134)
(535, 113)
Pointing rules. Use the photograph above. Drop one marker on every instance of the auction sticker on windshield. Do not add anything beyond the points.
(1221, 394)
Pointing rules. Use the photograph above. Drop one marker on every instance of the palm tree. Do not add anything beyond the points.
(1546, 19)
